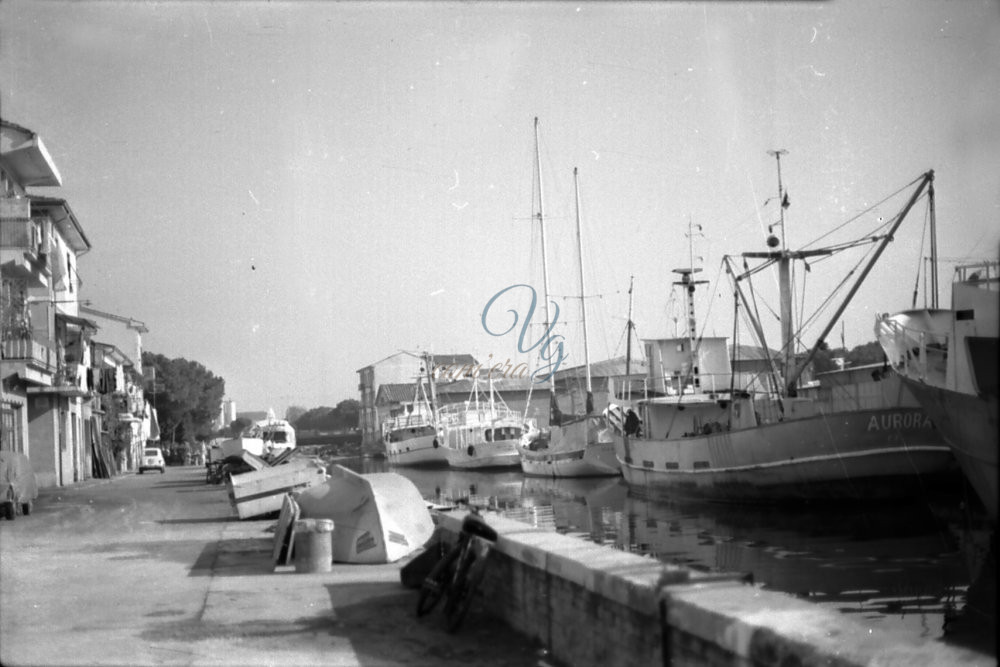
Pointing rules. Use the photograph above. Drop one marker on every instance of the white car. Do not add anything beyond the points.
(152, 459)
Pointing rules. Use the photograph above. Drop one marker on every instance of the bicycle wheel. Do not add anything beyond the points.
(436, 582)
(463, 590)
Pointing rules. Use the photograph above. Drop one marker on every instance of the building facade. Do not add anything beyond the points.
(47, 369)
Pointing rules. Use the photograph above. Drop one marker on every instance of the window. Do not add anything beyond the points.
(10, 428)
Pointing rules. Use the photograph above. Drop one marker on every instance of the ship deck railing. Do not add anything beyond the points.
(463, 415)
(920, 354)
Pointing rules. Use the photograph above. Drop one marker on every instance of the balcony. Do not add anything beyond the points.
(20, 248)
(30, 359)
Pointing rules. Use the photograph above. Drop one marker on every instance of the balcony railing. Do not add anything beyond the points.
(30, 351)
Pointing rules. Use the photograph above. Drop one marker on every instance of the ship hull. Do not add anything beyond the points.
(594, 460)
(580, 448)
(865, 454)
(422, 450)
(969, 425)
(498, 454)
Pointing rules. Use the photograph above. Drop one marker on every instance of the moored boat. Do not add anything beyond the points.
(412, 438)
(699, 434)
(482, 432)
(948, 359)
(574, 445)
(276, 435)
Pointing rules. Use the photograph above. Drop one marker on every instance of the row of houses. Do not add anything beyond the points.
(71, 400)
(400, 383)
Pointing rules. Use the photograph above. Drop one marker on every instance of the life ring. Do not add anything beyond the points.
(471, 450)
(435, 443)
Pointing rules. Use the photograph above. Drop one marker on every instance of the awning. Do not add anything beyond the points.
(64, 219)
(79, 321)
(32, 165)
(67, 390)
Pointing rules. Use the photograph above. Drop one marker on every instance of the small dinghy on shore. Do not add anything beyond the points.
(377, 518)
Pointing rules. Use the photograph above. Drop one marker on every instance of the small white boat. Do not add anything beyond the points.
(377, 518)
(276, 435)
(482, 432)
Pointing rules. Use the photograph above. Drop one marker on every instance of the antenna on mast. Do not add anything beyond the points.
(772, 240)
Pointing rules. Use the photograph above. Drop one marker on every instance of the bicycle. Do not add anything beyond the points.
(457, 576)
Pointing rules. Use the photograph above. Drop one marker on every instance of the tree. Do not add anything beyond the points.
(186, 395)
(239, 425)
(293, 413)
(869, 353)
(348, 412)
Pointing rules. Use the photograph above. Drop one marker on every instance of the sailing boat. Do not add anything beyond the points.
(702, 437)
(577, 445)
(412, 438)
(948, 359)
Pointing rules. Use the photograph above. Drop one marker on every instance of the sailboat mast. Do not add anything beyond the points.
(429, 363)
(583, 293)
(541, 227)
(628, 339)
(553, 405)
(627, 395)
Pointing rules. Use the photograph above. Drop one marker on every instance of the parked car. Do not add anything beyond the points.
(152, 459)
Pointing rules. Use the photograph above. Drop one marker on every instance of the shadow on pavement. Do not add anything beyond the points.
(234, 558)
(219, 519)
(380, 621)
(176, 484)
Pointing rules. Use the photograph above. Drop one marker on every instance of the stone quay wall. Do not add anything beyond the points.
(592, 605)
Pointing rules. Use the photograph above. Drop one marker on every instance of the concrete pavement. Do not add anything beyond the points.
(150, 569)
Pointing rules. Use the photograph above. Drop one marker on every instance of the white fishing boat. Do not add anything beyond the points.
(701, 435)
(411, 438)
(276, 435)
(572, 445)
(948, 359)
(482, 432)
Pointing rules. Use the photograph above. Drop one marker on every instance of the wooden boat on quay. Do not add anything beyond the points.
(697, 434)
(948, 359)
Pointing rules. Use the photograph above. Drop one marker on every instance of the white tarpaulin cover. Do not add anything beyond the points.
(377, 518)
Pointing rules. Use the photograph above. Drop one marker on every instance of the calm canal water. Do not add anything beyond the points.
(925, 568)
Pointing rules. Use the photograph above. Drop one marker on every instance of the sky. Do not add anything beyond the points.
(287, 192)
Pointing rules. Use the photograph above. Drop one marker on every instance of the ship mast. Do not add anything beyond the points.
(553, 406)
(688, 284)
(583, 295)
(627, 395)
(783, 257)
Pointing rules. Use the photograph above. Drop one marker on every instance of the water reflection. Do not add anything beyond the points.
(893, 566)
